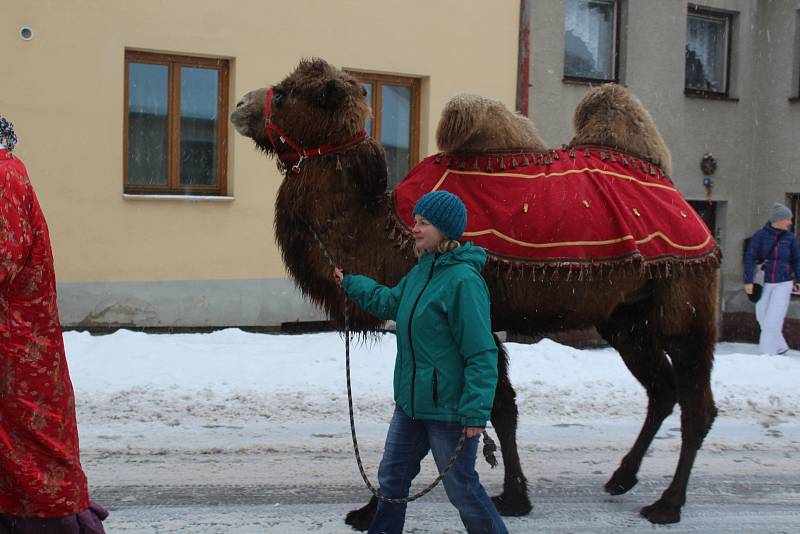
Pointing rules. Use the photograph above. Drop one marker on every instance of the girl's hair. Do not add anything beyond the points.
(445, 245)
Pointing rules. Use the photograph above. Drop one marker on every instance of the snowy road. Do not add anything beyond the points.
(716, 506)
(246, 433)
(311, 491)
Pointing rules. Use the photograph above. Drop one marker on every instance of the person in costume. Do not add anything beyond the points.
(446, 366)
(43, 489)
(777, 247)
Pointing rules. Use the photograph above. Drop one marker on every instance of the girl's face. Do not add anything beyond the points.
(426, 236)
(782, 225)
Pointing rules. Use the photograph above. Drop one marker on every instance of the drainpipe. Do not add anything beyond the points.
(524, 57)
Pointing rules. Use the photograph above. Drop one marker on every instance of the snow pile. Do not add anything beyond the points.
(231, 375)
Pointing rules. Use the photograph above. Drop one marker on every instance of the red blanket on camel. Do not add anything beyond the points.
(581, 206)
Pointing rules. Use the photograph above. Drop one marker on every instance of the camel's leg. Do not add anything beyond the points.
(634, 336)
(361, 518)
(514, 500)
(692, 358)
(687, 306)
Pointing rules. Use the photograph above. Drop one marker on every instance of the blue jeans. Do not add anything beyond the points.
(407, 443)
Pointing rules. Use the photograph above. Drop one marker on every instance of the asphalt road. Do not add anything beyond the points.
(312, 492)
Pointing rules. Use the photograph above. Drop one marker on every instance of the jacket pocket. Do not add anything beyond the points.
(435, 388)
(424, 392)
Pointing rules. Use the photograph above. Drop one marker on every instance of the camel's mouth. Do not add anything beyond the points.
(248, 116)
(238, 124)
(245, 122)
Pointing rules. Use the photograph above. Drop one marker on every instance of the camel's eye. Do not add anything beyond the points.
(278, 96)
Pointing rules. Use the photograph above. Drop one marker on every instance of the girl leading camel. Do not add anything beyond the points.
(446, 367)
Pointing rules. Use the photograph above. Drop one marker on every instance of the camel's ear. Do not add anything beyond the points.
(367, 170)
(331, 95)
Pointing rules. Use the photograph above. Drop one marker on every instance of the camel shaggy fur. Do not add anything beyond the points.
(472, 123)
(340, 197)
(610, 115)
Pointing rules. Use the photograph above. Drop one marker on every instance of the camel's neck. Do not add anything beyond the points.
(347, 225)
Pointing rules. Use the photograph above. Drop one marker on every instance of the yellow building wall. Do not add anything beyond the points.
(64, 91)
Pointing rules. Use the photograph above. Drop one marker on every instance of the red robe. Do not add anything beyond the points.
(40, 470)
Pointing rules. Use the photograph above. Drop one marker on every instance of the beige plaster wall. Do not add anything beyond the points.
(64, 90)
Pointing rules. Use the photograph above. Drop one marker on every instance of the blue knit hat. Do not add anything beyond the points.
(779, 212)
(445, 211)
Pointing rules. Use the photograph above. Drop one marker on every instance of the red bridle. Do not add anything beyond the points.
(299, 153)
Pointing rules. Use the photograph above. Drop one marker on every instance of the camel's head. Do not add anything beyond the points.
(315, 105)
(472, 123)
(610, 115)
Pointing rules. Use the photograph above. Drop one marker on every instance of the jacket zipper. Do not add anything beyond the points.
(435, 389)
(775, 261)
(411, 338)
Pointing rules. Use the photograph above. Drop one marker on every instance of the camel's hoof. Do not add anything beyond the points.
(512, 505)
(661, 513)
(621, 482)
(360, 519)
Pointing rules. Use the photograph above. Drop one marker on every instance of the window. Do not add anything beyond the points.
(708, 45)
(395, 119)
(176, 135)
(590, 40)
(793, 203)
(707, 210)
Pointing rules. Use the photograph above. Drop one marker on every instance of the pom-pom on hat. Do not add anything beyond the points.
(779, 212)
(445, 211)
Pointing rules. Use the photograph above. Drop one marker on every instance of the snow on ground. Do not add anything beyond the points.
(234, 375)
(240, 410)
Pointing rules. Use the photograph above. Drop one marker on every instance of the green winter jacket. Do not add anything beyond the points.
(446, 366)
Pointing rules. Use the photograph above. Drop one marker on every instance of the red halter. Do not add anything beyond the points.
(299, 153)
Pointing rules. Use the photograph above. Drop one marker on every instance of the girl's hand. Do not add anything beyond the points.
(338, 276)
(472, 431)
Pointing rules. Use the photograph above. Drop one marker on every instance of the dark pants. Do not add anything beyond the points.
(87, 522)
(407, 443)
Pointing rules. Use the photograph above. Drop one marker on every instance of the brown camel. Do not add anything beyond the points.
(338, 193)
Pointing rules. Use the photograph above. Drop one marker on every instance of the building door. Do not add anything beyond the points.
(708, 212)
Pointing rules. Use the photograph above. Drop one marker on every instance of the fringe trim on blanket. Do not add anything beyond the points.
(502, 160)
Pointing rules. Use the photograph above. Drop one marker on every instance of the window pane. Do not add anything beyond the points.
(589, 39)
(368, 87)
(396, 129)
(706, 50)
(147, 124)
(199, 123)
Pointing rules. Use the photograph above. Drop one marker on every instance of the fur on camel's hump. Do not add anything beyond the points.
(477, 124)
(338, 198)
(609, 115)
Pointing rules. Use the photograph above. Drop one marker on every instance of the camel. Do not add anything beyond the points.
(334, 193)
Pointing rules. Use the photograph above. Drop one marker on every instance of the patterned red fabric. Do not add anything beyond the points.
(564, 207)
(40, 470)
